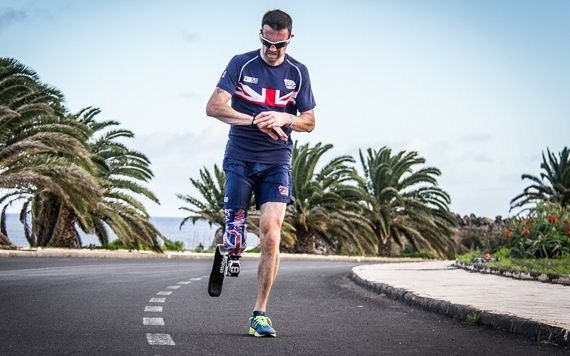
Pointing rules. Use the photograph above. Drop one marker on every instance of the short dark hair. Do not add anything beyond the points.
(277, 20)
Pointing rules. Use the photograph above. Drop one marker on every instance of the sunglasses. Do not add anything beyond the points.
(279, 44)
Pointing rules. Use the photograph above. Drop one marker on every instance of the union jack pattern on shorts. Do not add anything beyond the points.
(235, 236)
(283, 190)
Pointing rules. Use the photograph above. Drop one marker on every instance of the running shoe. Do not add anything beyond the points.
(260, 325)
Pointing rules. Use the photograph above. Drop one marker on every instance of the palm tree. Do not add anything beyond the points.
(119, 169)
(40, 153)
(326, 204)
(406, 205)
(209, 207)
(553, 185)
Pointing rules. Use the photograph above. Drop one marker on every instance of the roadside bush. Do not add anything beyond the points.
(199, 248)
(173, 245)
(468, 257)
(544, 233)
(116, 245)
(502, 254)
(410, 251)
(120, 245)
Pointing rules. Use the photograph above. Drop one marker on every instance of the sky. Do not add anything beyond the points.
(480, 89)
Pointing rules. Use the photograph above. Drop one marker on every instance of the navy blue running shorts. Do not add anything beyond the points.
(269, 182)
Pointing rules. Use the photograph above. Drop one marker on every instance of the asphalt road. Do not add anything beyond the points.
(97, 307)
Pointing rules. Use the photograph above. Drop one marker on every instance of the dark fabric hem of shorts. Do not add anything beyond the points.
(286, 201)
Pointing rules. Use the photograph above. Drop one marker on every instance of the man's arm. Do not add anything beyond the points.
(304, 122)
(272, 119)
(218, 107)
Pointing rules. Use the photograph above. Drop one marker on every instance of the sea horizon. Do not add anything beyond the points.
(192, 235)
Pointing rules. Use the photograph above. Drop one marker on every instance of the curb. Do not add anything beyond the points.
(126, 254)
(509, 323)
(543, 277)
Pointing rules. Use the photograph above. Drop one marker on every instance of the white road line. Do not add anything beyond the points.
(196, 279)
(159, 339)
(152, 308)
(184, 282)
(153, 321)
(157, 300)
(164, 293)
(173, 287)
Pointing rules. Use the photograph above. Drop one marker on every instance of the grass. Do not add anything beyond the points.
(549, 266)
(473, 318)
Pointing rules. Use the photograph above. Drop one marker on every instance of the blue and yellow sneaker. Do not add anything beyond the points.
(260, 325)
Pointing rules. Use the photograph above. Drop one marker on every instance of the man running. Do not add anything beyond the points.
(267, 89)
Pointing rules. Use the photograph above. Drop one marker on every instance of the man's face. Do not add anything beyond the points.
(272, 54)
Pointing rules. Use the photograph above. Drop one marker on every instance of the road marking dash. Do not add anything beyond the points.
(153, 321)
(159, 339)
(154, 309)
(196, 279)
(184, 282)
(157, 300)
(173, 287)
(164, 293)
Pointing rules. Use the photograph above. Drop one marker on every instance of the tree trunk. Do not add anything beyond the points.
(64, 234)
(46, 219)
(305, 242)
(385, 247)
(384, 244)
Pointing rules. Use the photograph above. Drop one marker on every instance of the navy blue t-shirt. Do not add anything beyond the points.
(255, 87)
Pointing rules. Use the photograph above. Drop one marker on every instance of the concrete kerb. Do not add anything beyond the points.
(509, 323)
(126, 254)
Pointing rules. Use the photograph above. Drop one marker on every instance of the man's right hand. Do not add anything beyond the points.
(273, 134)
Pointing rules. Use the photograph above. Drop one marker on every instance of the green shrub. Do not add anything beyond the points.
(417, 254)
(544, 233)
(116, 245)
(410, 251)
(468, 257)
(502, 254)
(173, 245)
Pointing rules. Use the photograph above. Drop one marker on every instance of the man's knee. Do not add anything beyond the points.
(271, 235)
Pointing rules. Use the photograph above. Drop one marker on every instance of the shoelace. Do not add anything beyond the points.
(262, 320)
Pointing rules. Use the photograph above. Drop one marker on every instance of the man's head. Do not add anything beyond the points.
(275, 34)
(277, 20)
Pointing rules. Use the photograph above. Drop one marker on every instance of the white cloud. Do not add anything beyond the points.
(177, 157)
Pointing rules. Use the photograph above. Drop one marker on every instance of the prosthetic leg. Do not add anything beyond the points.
(227, 255)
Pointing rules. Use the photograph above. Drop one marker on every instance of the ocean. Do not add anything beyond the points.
(191, 234)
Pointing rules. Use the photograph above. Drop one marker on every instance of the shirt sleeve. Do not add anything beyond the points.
(229, 79)
(305, 99)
